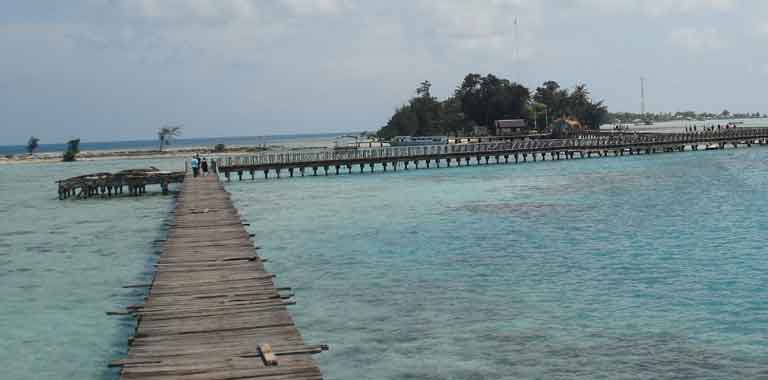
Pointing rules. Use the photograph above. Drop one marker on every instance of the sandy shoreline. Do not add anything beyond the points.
(169, 153)
(145, 154)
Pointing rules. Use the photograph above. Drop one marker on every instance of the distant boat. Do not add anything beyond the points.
(418, 140)
(713, 147)
(346, 143)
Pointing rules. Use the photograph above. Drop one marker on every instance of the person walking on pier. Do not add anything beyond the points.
(195, 164)
(204, 166)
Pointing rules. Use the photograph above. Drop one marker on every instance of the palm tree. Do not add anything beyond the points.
(73, 148)
(166, 133)
(33, 144)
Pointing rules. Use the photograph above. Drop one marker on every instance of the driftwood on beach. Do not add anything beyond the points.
(112, 184)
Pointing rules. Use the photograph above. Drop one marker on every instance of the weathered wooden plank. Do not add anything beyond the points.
(213, 312)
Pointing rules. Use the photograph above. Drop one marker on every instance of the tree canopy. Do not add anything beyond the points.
(561, 103)
(165, 134)
(73, 149)
(481, 100)
(32, 144)
(485, 99)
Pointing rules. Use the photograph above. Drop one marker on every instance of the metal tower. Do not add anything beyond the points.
(642, 96)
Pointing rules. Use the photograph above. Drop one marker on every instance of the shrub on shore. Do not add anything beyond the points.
(219, 148)
(33, 144)
(166, 134)
(73, 149)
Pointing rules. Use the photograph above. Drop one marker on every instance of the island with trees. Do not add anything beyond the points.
(480, 101)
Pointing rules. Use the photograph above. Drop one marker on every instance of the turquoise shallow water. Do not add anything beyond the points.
(63, 264)
(631, 268)
(649, 267)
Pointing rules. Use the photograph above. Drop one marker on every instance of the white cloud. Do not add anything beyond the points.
(237, 61)
(477, 18)
(190, 10)
(485, 25)
(761, 28)
(193, 11)
(697, 40)
(318, 6)
(659, 7)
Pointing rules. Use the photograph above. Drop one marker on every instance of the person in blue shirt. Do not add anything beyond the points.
(195, 164)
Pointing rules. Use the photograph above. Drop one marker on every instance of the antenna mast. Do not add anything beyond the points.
(642, 96)
(517, 53)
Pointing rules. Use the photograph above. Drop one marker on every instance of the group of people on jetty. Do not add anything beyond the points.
(199, 164)
(710, 129)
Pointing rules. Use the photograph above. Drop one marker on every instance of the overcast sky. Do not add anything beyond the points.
(119, 69)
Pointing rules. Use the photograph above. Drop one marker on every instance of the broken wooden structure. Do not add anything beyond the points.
(112, 184)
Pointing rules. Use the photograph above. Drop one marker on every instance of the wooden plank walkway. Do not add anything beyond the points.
(502, 152)
(213, 312)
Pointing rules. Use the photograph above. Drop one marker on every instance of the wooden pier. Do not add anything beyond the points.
(107, 185)
(213, 312)
(584, 146)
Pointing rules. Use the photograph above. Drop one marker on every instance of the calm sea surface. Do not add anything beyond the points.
(322, 139)
(649, 267)
(642, 267)
(63, 264)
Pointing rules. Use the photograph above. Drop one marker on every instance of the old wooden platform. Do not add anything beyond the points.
(213, 312)
(106, 185)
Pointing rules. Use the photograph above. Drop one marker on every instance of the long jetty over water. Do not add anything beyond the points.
(213, 312)
(583, 146)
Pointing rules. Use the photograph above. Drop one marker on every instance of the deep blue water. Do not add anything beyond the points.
(180, 142)
(641, 267)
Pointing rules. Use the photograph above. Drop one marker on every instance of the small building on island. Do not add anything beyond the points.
(479, 131)
(512, 127)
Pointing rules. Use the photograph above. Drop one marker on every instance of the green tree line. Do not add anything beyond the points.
(628, 117)
(481, 100)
